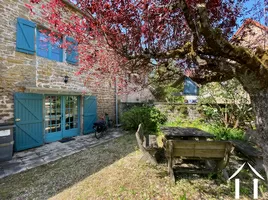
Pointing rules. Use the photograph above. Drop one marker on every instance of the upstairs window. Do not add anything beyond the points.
(31, 40)
(48, 49)
(72, 51)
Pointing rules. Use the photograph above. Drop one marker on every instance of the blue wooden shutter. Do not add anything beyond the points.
(28, 113)
(190, 87)
(25, 36)
(72, 51)
(90, 113)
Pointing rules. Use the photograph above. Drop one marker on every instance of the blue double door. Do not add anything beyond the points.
(61, 117)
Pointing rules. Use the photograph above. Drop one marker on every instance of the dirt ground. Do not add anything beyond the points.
(114, 171)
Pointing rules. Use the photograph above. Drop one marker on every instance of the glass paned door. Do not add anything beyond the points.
(71, 116)
(61, 117)
(53, 118)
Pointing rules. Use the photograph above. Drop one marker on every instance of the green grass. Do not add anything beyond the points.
(48, 180)
(114, 171)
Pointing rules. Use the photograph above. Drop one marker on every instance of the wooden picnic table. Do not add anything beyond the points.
(179, 133)
(192, 144)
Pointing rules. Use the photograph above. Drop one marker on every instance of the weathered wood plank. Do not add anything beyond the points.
(246, 148)
(148, 146)
(194, 171)
(249, 152)
(201, 149)
(218, 151)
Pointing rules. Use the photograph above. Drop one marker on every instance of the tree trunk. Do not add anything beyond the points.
(236, 123)
(259, 102)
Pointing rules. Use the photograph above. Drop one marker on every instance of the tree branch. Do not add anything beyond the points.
(175, 53)
(215, 40)
(219, 65)
(211, 78)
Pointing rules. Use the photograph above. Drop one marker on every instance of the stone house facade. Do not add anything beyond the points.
(34, 95)
(137, 89)
(251, 35)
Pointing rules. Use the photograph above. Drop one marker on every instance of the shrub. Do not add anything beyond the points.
(223, 133)
(150, 117)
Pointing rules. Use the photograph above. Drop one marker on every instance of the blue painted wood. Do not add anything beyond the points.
(74, 131)
(25, 36)
(190, 87)
(28, 108)
(56, 51)
(42, 44)
(48, 50)
(90, 113)
(55, 136)
(71, 51)
(64, 133)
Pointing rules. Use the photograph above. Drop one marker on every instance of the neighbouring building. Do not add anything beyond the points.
(137, 90)
(190, 91)
(251, 35)
(39, 91)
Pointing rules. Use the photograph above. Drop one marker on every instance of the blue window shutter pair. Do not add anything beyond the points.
(72, 51)
(190, 87)
(25, 43)
(25, 36)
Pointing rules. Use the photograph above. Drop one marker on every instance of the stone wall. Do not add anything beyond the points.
(172, 111)
(252, 35)
(106, 98)
(50, 74)
(20, 70)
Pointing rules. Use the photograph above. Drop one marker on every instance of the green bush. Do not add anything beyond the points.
(150, 117)
(223, 133)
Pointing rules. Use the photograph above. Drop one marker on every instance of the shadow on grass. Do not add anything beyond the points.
(48, 180)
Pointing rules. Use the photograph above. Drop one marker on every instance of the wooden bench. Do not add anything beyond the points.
(148, 145)
(249, 152)
(218, 151)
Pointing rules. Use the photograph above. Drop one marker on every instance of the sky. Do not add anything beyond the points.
(258, 16)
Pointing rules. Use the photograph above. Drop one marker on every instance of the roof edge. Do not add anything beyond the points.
(247, 22)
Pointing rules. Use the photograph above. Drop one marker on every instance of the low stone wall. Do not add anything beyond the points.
(172, 111)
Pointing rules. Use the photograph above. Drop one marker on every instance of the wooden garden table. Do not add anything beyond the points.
(192, 144)
(179, 133)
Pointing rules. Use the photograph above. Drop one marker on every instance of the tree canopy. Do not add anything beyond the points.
(148, 35)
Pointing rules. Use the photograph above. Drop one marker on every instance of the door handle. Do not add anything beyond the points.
(17, 120)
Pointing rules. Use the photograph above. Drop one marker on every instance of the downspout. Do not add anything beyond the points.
(116, 104)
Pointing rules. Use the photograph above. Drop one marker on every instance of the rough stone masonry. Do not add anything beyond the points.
(19, 70)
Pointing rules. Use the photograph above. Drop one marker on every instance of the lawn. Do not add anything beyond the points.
(48, 180)
(114, 171)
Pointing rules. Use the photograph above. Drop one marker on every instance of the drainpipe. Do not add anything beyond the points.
(116, 103)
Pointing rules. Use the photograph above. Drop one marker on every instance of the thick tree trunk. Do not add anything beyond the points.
(260, 104)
